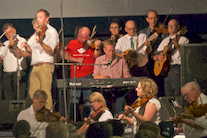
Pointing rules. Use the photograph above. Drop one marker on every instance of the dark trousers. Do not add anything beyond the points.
(10, 85)
(172, 81)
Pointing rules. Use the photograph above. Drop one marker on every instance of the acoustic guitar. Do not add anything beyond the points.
(134, 58)
(161, 67)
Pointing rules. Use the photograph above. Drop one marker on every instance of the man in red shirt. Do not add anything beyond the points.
(78, 51)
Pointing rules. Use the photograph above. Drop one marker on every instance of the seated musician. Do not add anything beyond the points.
(147, 111)
(115, 29)
(37, 129)
(195, 127)
(99, 111)
(172, 80)
(110, 66)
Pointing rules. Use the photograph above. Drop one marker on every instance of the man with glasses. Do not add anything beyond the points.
(193, 128)
(37, 129)
(128, 41)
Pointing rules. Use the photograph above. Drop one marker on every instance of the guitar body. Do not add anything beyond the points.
(162, 67)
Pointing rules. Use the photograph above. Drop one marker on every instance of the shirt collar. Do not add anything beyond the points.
(31, 109)
(129, 37)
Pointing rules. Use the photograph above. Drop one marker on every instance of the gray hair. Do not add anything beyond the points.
(6, 25)
(40, 94)
(190, 86)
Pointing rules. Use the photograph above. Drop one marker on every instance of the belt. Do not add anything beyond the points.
(41, 63)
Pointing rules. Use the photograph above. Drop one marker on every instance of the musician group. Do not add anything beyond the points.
(122, 56)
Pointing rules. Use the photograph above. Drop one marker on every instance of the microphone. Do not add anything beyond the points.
(109, 62)
(15, 37)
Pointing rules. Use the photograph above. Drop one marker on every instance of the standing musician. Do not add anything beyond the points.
(152, 19)
(148, 111)
(115, 29)
(80, 52)
(99, 111)
(111, 67)
(42, 46)
(128, 41)
(172, 80)
(9, 53)
(37, 129)
(193, 128)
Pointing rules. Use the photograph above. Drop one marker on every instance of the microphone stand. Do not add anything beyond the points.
(18, 70)
(63, 65)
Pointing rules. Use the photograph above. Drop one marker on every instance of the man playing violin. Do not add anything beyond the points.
(9, 53)
(99, 111)
(172, 80)
(148, 110)
(42, 49)
(37, 129)
(193, 128)
(152, 20)
(79, 51)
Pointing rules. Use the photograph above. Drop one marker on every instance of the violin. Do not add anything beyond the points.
(192, 111)
(89, 43)
(161, 28)
(138, 102)
(45, 115)
(93, 115)
(41, 31)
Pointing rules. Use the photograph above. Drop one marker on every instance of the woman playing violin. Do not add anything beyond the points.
(193, 128)
(99, 111)
(148, 111)
(115, 29)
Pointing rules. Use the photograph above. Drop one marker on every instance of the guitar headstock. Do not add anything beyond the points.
(182, 31)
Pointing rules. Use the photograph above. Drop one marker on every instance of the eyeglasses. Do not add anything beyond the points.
(114, 27)
(42, 101)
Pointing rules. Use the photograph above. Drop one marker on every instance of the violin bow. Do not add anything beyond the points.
(94, 31)
(199, 90)
(2, 35)
(167, 15)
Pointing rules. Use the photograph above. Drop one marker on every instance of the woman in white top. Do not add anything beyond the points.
(99, 111)
(149, 110)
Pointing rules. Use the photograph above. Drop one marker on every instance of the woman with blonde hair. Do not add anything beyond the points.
(149, 110)
(99, 111)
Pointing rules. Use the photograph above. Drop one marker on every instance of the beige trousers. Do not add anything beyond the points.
(41, 78)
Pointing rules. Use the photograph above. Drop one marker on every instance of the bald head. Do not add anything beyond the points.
(83, 34)
(173, 27)
(131, 28)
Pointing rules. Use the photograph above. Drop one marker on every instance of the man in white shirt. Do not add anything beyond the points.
(172, 80)
(37, 129)
(195, 127)
(130, 41)
(10, 56)
(42, 49)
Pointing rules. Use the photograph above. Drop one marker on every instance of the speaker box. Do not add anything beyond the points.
(194, 63)
(167, 104)
(9, 109)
